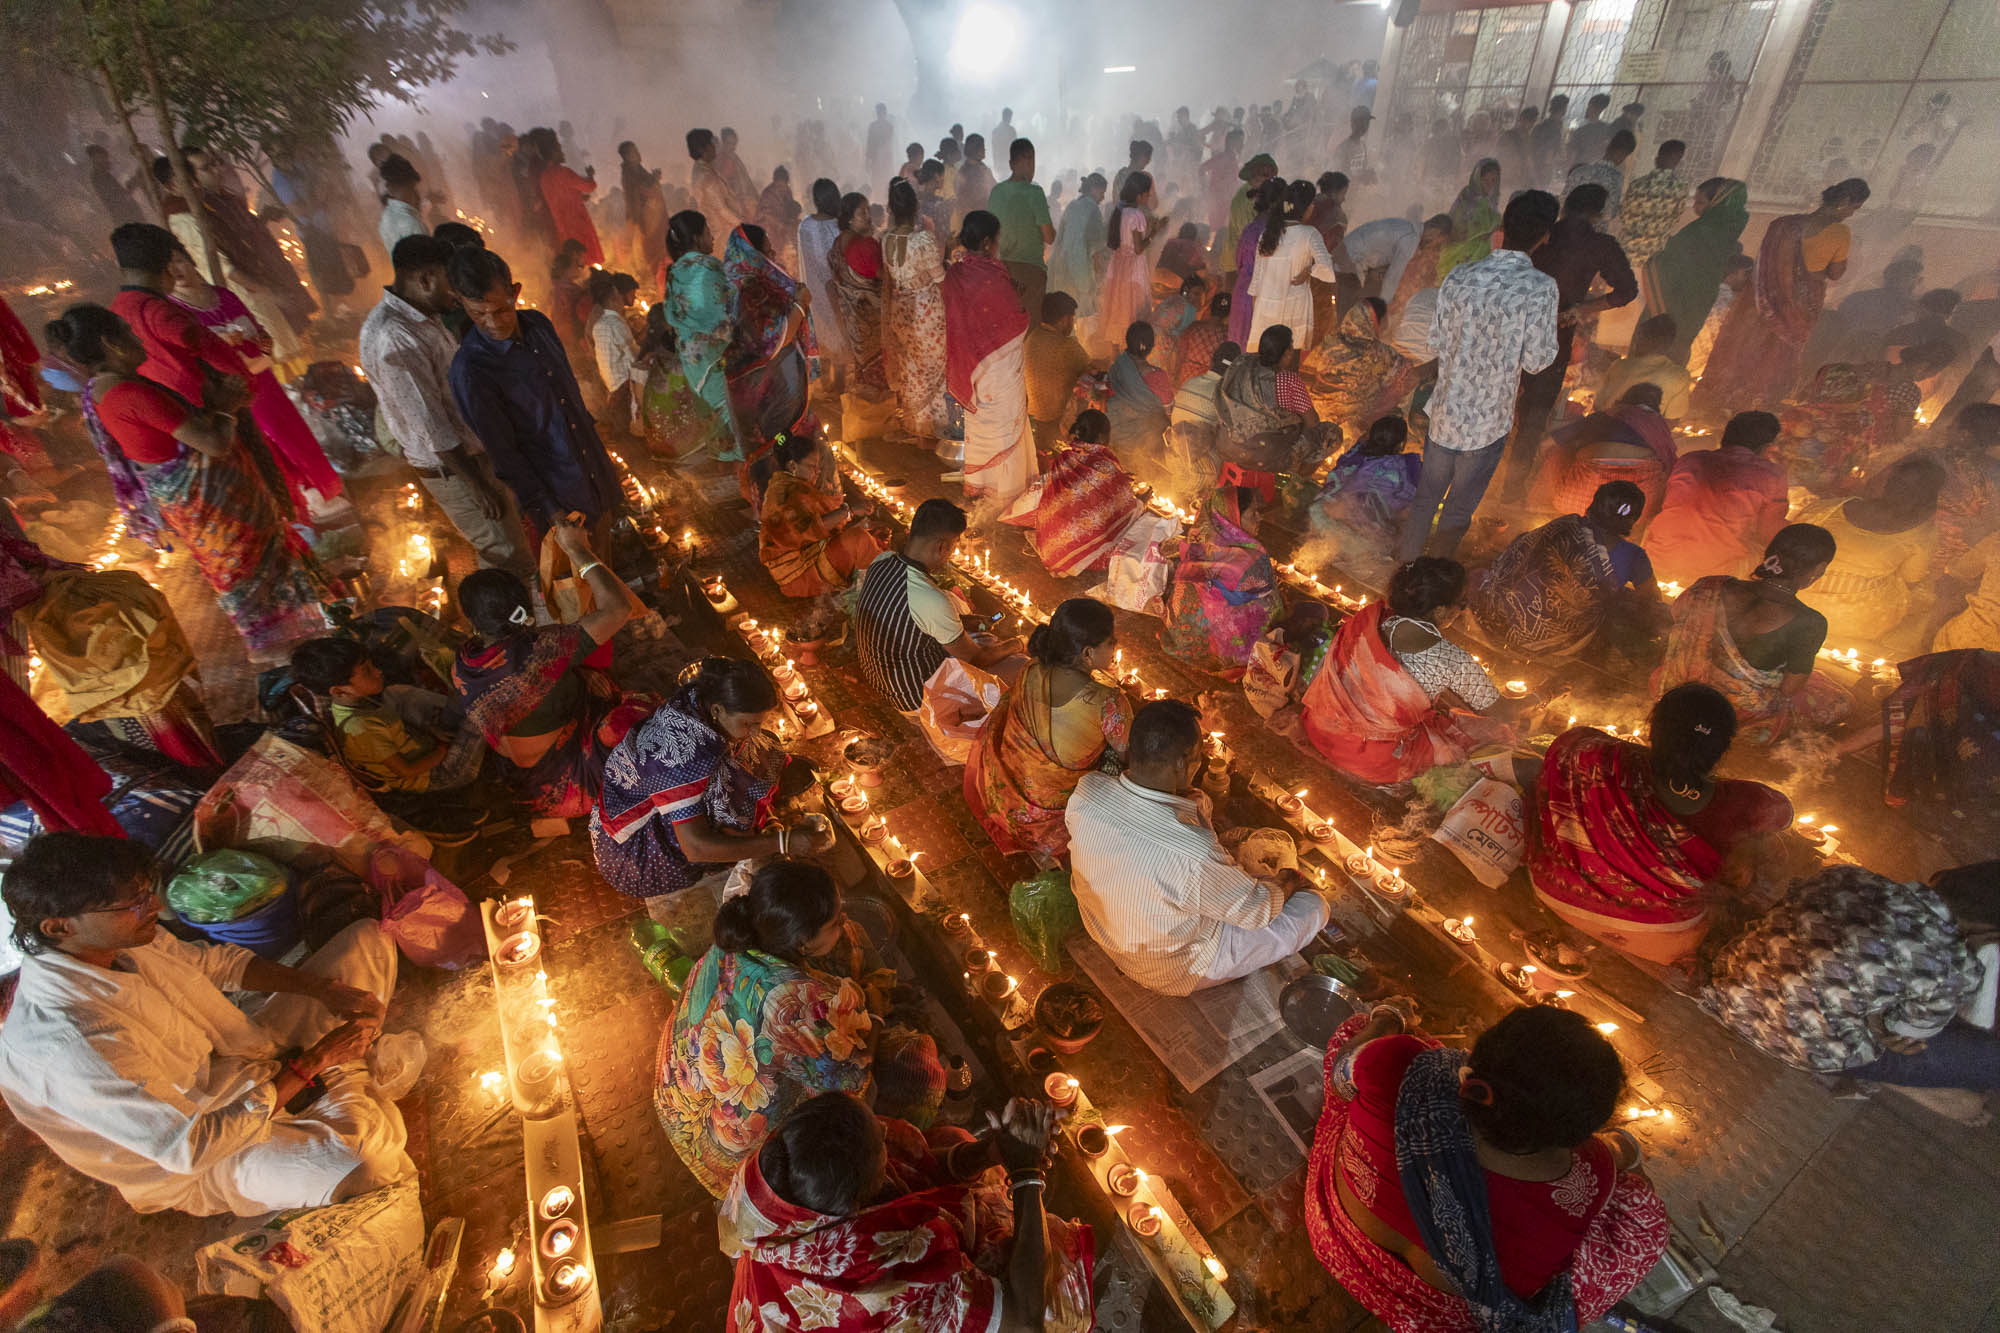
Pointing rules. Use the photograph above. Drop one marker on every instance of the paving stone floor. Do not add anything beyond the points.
(1840, 1215)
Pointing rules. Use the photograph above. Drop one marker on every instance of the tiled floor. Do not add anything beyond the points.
(1839, 1215)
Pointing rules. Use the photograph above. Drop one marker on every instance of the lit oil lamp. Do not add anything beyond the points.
(784, 671)
(998, 987)
(1460, 930)
(1516, 689)
(958, 923)
(1361, 865)
(1145, 1219)
(874, 828)
(1319, 831)
(796, 689)
(1060, 1089)
(1124, 1179)
(1520, 978)
(807, 709)
(853, 803)
(1389, 883)
(1294, 803)
(1808, 828)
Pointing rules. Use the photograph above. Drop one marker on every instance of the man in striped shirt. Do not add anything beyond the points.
(1156, 889)
(905, 625)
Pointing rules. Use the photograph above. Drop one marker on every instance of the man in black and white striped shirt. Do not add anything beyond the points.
(905, 625)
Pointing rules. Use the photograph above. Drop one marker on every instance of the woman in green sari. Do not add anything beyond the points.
(1475, 214)
(701, 310)
(1683, 278)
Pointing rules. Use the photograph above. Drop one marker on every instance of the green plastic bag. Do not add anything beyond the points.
(1044, 912)
(224, 886)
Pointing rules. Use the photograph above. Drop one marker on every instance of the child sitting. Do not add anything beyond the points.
(392, 735)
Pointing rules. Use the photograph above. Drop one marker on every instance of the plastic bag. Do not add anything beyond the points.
(1136, 578)
(1486, 830)
(224, 886)
(1045, 913)
(286, 802)
(339, 1269)
(958, 698)
(1265, 852)
(1267, 681)
(429, 917)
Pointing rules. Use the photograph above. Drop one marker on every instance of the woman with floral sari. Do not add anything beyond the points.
(1847, 416)
(527, 689)
(1056, 723)
(846, 1222)
(1683, 278)
(770, 1018)
(701, 310)
(915, 319)
(1394, 697)
(209, 495)
(1354, 376)
(855, 265)
(1453, 1192)
(770, 361)
(292, 443)
(1475, 216)
(1225, 592)
(1086, 501)
(680, 427)
(1557, 588)
(1755, 641)
(1140, 395)
(986, 364)
(810, 541)
(1632, 844)
(1800, 254)
(1126, 295)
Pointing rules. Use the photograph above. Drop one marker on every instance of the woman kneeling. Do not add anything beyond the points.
(775, 1013)
(1629, 843)
(847, 1222)
(811, 541)
(1451, 1192)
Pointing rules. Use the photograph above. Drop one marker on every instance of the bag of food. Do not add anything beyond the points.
(1045, 913)
(1136, 578)
(1267, 681)
(1486, 830)
(429, 917)
(339, 1269)
(224, 886)
(958, 698)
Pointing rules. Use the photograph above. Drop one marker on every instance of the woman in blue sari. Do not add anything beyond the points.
(1361, 505)
(691, 790)
(701, 310)
(771, 356)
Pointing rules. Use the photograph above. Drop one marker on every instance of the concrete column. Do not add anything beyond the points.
(1766, 77)
(1385, 73)
(1548, 49)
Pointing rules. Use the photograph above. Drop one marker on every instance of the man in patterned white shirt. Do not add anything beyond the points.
(1155, 887)
(1495, 320)
(1608, 171)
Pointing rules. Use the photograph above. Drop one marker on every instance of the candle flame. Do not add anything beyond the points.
(1564, 994)
(1300, 794)
(503, 1262)
(1529, 969)
(1215, 1270)
(1116, 1129)
(1607, 1028)
(1071, 1084)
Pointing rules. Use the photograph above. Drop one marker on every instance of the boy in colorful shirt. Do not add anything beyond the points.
(398, 737)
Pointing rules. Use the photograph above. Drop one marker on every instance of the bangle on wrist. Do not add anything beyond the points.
(584, 573)
(783, 838)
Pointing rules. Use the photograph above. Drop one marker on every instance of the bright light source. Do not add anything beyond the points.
(988, 38)
(1120, 69)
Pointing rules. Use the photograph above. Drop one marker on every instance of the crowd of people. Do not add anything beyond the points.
(1197, 324)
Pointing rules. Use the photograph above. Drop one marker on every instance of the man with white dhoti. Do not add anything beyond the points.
(985, 346)
(124, 1054)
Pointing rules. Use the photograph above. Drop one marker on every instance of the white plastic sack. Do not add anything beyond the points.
(339, 1269)
(1486, 830)
(1137, 577)
(957, 699)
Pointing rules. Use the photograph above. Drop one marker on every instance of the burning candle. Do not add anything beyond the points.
(1607, 1028)
(1516, 689)
(503, 1264)
(1060, 1088)
(1093, 1140)
(1361, 864)
(1215, 1268)
(784, 671)
(1389, 883)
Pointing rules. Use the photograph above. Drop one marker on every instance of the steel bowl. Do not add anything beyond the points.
(1314, 1006)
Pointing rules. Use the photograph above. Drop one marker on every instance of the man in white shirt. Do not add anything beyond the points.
(406, 354)
(125, 1056)
(617, 352)
(1156, 889)
(401, 204)
(1382, 249)
(1495, 320)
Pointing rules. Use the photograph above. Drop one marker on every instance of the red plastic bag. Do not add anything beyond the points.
(429, 917)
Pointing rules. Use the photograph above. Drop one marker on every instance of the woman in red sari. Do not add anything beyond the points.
(845, 1222)
(1453, 1191)
(1630, 843)
(1801, 253)
(985, 364)
(1394, 697)
(811, 541)
(1086, 502)
(1629, 442)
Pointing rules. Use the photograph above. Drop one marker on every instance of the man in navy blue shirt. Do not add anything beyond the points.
(514, 386)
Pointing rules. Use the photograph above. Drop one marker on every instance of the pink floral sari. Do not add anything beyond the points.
(1369, 717)
(928, 1257)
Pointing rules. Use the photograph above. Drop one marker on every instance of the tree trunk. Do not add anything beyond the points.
(146, 181)
(183, 177)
